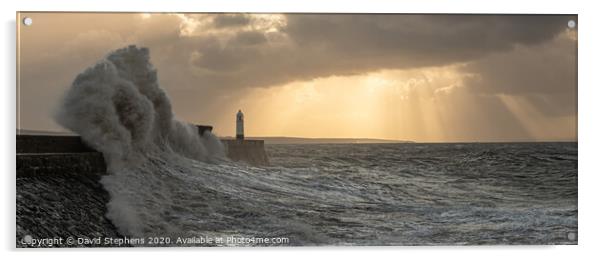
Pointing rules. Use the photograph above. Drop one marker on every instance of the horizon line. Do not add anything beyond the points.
(49, 132)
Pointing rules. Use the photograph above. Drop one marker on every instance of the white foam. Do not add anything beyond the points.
(119, 109)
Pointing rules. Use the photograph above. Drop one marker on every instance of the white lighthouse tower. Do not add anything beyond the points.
(240, 125)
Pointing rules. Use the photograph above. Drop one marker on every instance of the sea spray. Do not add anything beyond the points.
(119, 109)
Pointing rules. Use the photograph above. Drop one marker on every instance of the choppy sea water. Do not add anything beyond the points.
(371, 194)
(439, 193)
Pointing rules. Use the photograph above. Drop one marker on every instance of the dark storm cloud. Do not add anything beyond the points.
(549, 68)
(453, 36)
(330, 44)
(546, 75)
(249, 38)
(231, 20)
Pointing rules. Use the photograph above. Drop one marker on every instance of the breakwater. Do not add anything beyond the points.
(249, 151)
(58, 189)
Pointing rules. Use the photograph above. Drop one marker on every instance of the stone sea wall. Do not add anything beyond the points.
(58, 189)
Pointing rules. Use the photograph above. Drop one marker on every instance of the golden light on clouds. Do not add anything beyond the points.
(388, 104)
(205, 24)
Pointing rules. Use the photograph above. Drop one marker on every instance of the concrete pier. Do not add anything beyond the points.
(57, 156)
(51, 144)
(249, 151)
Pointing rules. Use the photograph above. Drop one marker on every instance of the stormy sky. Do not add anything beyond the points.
(434, 78)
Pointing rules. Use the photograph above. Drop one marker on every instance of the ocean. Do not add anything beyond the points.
(433, 194)
(367, 194)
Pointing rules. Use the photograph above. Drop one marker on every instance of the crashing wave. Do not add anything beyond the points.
(118, 108)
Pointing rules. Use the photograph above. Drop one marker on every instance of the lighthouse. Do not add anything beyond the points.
(240, 127)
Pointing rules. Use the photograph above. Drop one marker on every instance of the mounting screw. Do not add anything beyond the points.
(27, 21)
(571, 24)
